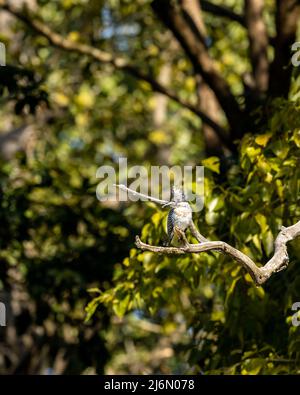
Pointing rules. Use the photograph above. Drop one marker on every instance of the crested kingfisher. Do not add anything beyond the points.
(180, 215)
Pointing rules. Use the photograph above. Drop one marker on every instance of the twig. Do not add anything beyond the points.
(141, 195)
(195, 232)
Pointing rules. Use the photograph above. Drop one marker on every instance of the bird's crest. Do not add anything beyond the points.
(177, 194)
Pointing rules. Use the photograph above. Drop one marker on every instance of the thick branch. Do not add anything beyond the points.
(287, 18)
(117, 62)
(207, 101)
(192, 10)
(184, 28)
(260, 275)
(258, 40)
(222, 11)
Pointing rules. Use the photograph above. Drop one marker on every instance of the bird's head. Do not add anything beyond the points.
(177, 194)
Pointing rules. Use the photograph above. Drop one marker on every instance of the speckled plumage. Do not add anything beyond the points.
(180, 214)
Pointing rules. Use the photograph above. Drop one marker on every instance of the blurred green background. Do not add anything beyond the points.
(161, 83)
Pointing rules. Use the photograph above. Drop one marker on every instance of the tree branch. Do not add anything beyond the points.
(287, 18)
(258, 40)
(157, 87)
(117, 62)
(222, 11)
(184, 28)
(141, 195)
(195, 232)
(260, 275)
(226, 12)
(207, 101)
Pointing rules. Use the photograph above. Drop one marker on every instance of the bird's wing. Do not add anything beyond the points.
(170, 223)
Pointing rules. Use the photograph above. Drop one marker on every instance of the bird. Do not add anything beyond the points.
(179, 216)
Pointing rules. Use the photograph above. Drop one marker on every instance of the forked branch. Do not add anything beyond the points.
(260, 275)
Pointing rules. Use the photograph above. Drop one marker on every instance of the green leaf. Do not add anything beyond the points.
(253, 366)
(91, 308)
(232, 288)
(263, 139)
(212, 163)
(253, 153)
(94, 290)
(120, 307)
(256, 242)
(156, 219)
(262, 222)
(268, 242)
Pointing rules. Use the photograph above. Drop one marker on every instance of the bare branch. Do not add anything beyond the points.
(117, 62)
(141, 195)
(222, 11)
(258, 39)
(260, 275)
(195, 232)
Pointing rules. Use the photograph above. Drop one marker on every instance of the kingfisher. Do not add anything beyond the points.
(180, 215)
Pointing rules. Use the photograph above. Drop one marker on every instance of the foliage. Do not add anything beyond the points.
(81, 298)
(231, 325)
